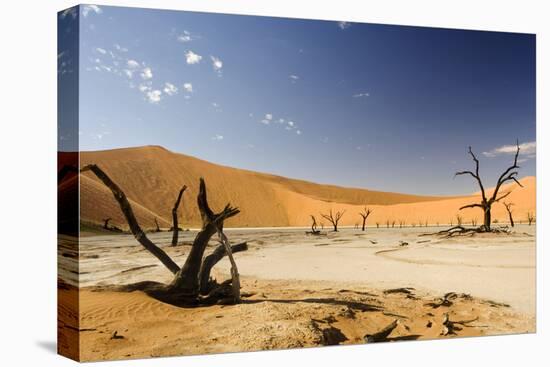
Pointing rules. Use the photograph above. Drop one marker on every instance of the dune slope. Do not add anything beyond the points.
(151, 176)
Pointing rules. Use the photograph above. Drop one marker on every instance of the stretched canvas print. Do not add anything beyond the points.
(234, 183)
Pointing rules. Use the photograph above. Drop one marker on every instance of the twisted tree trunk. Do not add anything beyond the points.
(175, 227)
(186, 286)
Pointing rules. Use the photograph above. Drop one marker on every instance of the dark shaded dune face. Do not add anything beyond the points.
(152, 176)
(67, 193)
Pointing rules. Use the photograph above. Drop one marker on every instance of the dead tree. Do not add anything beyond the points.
(393, 223)
(175, 226)
(474, 222)
(387, 223)
(458, 220)
(508, 207)
(191, 285)
(334, 218)
(157, 229)
(530, 217)
(486, 202)
(364, 215)
(377, 224)
(106, 223)
(314, 229)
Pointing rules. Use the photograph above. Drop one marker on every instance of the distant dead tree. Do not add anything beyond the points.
(413, 224)
(393, 223)
(486, 202)
(508, 207)
(530, 218)
(157, 229)
(175, 226)
(106, 223)
(458, 220)
(426, 224)
(364, 215)
(322, 224)
(356, 225)
(192, 284)
(401, 223)
(474, 222)
(334, 218)
(377, 224)
(387, 223)
(314, 229)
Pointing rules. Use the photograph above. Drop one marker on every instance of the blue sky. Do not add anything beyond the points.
(382, 107)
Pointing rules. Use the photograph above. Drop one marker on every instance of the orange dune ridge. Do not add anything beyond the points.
(152, 176)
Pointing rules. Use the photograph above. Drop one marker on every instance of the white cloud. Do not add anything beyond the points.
(360, 95)
(185, 37)
(268, 116)
(70, 11)
(281, 121)
(291, 123)
(294, 78)
(344, 25)
(128, 73)
(188, 87)
(120, 48)
(146, 74)
(170, 89)
(144, 88)
(132, 64)
(192, 58)
(90, 9)
(215, 105)
(154, 96)
(217, 137)
(101, 50)
(298, 132)
(528, 148)
(217, 64)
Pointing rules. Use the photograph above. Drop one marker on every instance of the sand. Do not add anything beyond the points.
(304, 291)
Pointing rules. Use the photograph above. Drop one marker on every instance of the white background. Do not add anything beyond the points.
(28, 180)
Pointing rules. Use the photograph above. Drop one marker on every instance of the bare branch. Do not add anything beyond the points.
(126, 208)
(508, 175)
(471, 206)
(175, 226)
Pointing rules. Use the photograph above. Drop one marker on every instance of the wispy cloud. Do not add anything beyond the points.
(132, 64)
(69, 12)
(91, 9)
(185, 37)
(527, 149)
(154, 96)
(188, 87)
(361, 95)
(217, 64)
(217, 137)
(344, 25)
(294, 78)
(192, 58)
(101, 50)
(267, 119)
(120, 48)
(146, 74)
(170, 89)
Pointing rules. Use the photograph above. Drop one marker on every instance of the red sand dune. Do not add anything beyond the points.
(151, 177)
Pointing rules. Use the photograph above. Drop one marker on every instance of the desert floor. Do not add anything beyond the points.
(301, 291)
